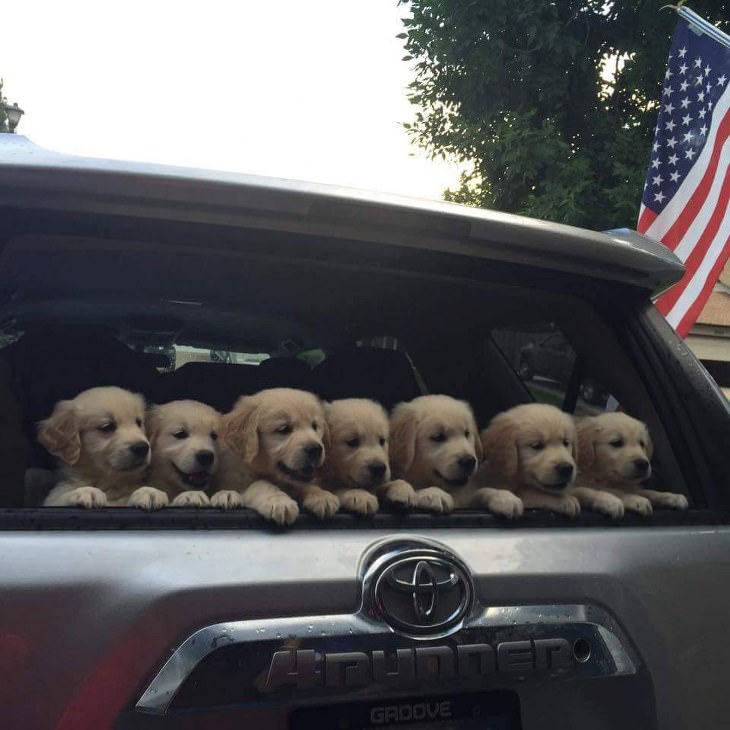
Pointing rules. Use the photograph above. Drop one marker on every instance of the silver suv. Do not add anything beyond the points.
(120, 619)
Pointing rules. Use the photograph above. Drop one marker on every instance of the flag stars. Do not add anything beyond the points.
(721, 81)
(686, 120)
(669, 108)
(685, 102)
(687, 137)
(683, 68)
(659, 197)
(682, 52)
(655, 146)
(698, 63)
(671, 142)
(690, 153)
(655, 163)
(668, 75)
(670, 125)
(673, 159)
(702, 113)
(674, 177)
(700, 96)
(657, 180)
(668, 91)
(683, 86)
(703, 130)
(707, 70)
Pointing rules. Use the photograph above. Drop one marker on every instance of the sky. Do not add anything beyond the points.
(302, 89)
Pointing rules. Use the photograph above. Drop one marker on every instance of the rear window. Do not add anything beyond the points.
(219, 318)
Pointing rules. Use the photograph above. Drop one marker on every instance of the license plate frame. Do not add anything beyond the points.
(494, 710)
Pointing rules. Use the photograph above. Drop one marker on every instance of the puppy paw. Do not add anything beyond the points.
(506, 504)
(148, 498)
(640, 505)
(321, 504)
(86, 497)
(609, 505)
(435, 500)
(359, 501)
(671, 500)
(568, 505)
(401, 494)
(282, 510)
(226, 499)
(191, 498)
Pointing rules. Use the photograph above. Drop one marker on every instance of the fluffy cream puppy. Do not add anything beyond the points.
(434, 452)
(614, 458)
(357, 453)
(183, 435)
(278, 435)
(100, 441)
(531, 450)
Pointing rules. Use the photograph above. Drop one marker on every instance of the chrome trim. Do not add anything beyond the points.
(160, 693)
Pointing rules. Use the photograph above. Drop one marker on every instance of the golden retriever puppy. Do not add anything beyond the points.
(614, 458)
(356, 463)
(183, 435)
(99, 438)
(279, 436)
(531, 449)
(435, 452)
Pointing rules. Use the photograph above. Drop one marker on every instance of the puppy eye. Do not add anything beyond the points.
(467, 433)
(315, 425)
(181, 434)
(110, 427)
(566, 442)
(537, 445)
(353, 443)
(642, 444)
(138, 421)
(285, 429)
(439, 438)
(213, 435)
(381, 441)
(617, 443)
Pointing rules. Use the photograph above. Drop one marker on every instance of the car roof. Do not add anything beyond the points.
(33, 177)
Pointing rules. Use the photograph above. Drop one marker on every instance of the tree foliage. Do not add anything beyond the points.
(551, 104)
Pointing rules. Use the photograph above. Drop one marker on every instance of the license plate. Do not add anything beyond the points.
(478, 711)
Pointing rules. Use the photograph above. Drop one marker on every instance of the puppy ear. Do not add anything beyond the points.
(403, 431)
(649, 443)
(152, 423)
(500, 445)
(477, 441)
(239, 428)
(325, 428)
(59, 433)
(587, 433)
(574, 442)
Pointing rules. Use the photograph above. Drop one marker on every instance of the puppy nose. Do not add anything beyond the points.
(377, 470)
(313, 451)
(467, 463)
(140, 448)
(204, 457)
(564, 470)
(641, 465)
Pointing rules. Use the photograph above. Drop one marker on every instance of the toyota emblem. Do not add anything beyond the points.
(422, 593)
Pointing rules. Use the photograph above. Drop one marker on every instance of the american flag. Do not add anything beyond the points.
(687, 190)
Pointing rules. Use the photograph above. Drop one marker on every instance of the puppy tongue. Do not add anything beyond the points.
(198, 477)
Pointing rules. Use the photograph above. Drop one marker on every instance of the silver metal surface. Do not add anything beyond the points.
(31, 176)
(379, 560)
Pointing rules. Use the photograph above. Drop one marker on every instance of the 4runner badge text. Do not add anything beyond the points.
(307, 668)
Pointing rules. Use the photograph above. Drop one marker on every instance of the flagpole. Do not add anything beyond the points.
(698, 22)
